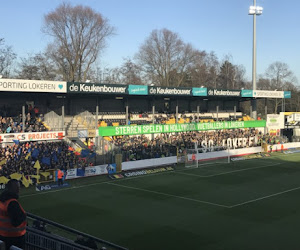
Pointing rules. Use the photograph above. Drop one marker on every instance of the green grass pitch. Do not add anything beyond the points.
(251, 204)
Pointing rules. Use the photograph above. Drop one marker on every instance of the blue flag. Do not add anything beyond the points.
(84, 153)
(35, 153)
(16, 142)
(92, 155)
(54, 157)
(46, 160)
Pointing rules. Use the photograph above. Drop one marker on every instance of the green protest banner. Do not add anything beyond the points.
(170, 128)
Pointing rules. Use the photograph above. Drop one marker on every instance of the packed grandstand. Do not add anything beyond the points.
(123, 134)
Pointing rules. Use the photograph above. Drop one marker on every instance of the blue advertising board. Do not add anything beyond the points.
(138, 90)
(199, 91)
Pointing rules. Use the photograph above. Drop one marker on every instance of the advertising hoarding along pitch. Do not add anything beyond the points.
(170, 128)
(19, 85)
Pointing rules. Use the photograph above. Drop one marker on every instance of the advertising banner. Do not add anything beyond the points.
(268, 94)
(147, 171)
(138, 90)
(71, 174)
(287, 94)
(293, 118)
(241, 142)
(170, 128)
(247, 93)
(275, 121)
(199, 91)
(96, 170)
(90, 88)
(225, 92)
(32, 136)
(153, 90)
(19, 85)
(48, 187)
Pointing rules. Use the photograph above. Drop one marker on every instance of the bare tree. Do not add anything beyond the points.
(226, 78)
(279, 73)
(37, 67)
(7, 57)
(79, 35)
(130, 73)
(164, 58)
(198, 71)
(280, 78)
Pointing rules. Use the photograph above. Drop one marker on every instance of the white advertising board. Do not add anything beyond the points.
(275, 121)
(18, 85)
(32, 136)
(268, 94)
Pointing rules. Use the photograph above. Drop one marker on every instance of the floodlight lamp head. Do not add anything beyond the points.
(251, 10)
(255, 10)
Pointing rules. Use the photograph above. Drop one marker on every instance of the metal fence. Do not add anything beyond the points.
(55, 236)
(36, 240)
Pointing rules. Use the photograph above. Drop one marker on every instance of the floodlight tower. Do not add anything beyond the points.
(254, 11)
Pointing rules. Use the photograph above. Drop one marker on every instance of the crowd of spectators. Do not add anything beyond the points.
(164, 145)
(162, 118)
(20, 158)
(15, 124)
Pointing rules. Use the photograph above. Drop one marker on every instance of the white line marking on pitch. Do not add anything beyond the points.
(264, 197)
(228, 172)
(169, 195)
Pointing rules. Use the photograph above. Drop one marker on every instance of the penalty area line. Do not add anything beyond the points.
(264, 197)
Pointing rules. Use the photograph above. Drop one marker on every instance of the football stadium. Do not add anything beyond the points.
(175, 149)
(148, 167)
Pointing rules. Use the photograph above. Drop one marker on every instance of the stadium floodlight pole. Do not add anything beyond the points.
(254, 10)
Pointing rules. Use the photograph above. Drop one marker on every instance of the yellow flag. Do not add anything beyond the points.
(16, 176)
(3, 180)
(25, 182)
(27, 156)
(45, 174)
(35, 176)
(37, 165)
(2, 162)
